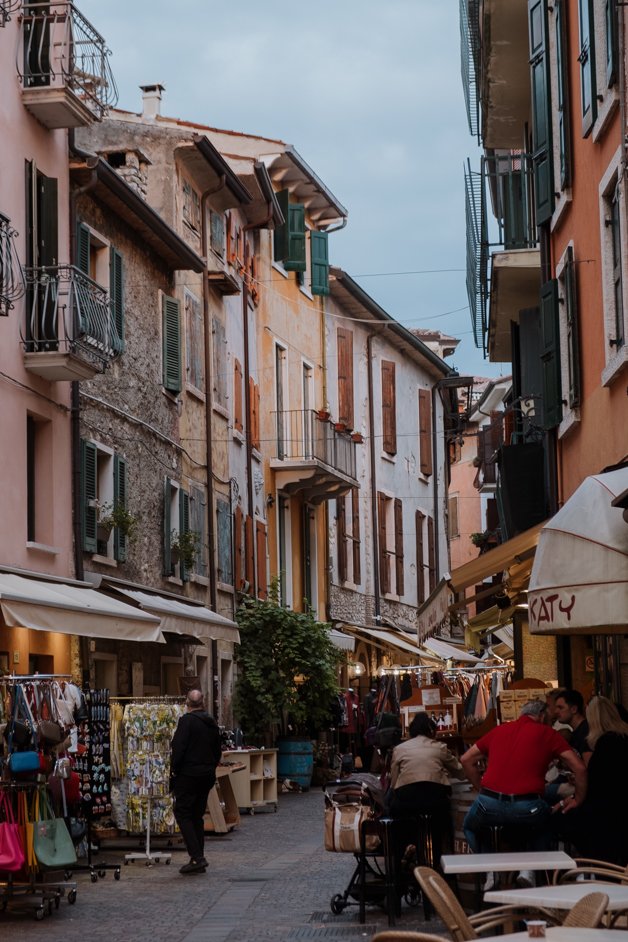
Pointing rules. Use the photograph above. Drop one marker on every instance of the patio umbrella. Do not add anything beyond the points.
(579, 580)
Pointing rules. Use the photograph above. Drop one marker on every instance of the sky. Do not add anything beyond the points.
(369, 94)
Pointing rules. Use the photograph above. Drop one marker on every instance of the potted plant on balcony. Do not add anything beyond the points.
(184, 546)
(357, 437)
(287, 678)
(323, 415)
(115, 515)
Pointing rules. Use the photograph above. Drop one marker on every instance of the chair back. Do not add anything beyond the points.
(588, 912)
(445, 903)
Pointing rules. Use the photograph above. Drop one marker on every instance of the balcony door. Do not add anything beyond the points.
(306, 394)
(42, 250)
(280, 389)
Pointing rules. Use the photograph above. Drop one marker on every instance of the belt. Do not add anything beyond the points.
(529, 796)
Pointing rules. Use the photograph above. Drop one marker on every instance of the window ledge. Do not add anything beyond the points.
(225, 587)
(238, 436)
(174, 580)
(173, 397)
(424, 478)
(195, 392)
(571, 421)
(220, 410)
(392, 459)
(564, 200)
(256, 454)
(308, 294)
(42, 548)
(282, 271)
(615, 366)
(605, 112)
(105, 560)
(199, 580)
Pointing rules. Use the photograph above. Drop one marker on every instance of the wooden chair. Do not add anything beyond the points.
(588, 912)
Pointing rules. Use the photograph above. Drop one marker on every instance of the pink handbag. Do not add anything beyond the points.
(11, 850)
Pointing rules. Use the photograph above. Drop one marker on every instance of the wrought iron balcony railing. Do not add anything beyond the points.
(61, 49)
(303, 437)
(11, 274)
(470, 52)
(7, 7)
(69, 313)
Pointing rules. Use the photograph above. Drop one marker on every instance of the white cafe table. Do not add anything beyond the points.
(506, 862)
(563, 896)
(565, 934)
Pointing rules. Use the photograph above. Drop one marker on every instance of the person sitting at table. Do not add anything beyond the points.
(570, 709)
(511, 790)
(420, 772)
(599, 827)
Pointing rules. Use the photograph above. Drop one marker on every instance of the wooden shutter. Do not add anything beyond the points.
(355, 525)
(541, 111)
(562, 103)
(219, 360)
(341, 536)
(224, 542)
(586, 58)
(384, 565)
(573, 339)
(120, 540)
(550, 355)
(184, 527)
(289, 239)
(389, 408)
(48, 220)
(237, 548)
(116, 296)
(171, 344)
(420, 557)
(83, 248)
(89, 494)
(319, 253)
(431, 549)
(249, 554)
(260, 536)
(254, 402)
(344, 340)
(399, 564)
(452, 513)
(237, 395)
(425, 431)
(612, 44)
(167, 534)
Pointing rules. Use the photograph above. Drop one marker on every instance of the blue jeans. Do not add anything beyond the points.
(532, 816)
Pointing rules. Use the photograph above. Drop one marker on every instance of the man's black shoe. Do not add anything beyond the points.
(194, 866)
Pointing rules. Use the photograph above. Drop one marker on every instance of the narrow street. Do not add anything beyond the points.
(270, 879)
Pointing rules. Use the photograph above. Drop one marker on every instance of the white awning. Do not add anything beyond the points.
(72, 610)
(342, 641)
(387, 639)
(184, 618)
(447, 651)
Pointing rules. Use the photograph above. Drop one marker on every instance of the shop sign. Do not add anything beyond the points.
(434, 610)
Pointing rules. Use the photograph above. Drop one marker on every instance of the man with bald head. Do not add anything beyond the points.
(196, 752)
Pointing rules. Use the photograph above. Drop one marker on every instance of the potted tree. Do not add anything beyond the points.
(184, 547)
(115, 515)
(287, 678)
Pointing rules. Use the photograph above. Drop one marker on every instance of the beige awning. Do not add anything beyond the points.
(386, 639)
(184, 618)
(518, 551)
(72, 610)
(448, 651)
(342, 641)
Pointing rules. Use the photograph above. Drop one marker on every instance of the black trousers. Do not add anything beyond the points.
(190, 800)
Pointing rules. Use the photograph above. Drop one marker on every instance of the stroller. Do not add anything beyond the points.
(355, 822)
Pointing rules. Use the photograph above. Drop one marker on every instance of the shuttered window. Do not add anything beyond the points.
(237, 548)
(120, 497)
(167, 524)
(89, 494)
(341, 532)
(249, 554)
(171, 344)
(116, 296)
(431, 548)
(184, 527)
(399, 563)
(541, 111)
(83, 249)
(384, 559)
(452, 512)
(344, 340)
(562, 103)
(319, 256)
(355, 535)
(550, 356)
(195, 347)
(224, 542)
(262, 584)
(289, 239)
(238, 377)
(425, 431)
(219, 360)
(612, 44)
(571, 320)
(198, 509)
(618, 289)
(420, 557)
(586, 58)
(254, 427)
(389, 408)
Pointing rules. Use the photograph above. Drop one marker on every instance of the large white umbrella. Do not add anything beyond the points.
(579, 580)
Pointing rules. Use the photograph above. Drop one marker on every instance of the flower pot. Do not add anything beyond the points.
(175, 555)
(103, 532)
(340, 426)
(357, 437)
(323, 415)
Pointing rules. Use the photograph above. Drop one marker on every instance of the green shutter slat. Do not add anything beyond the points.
(89, 492)
(319, 249)
(83, 248)
(562, 75)
(573, 339)
(611, 42)
(289, 239)
(116, 296)
(171, 344)
(120, 541)
(541, 111)
(550, 355)
(281, 232)
(167, 528)
(588, 86)
(184, 527)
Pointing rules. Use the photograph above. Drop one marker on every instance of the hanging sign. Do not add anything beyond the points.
(434, 611)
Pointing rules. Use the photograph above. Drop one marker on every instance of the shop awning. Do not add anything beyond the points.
(579, 581)
(73, 610)
(515, 551)
(386, 639)
(448, 651)
(342, 641)
(184, 618)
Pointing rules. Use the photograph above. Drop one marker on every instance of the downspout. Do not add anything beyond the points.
(374, 508)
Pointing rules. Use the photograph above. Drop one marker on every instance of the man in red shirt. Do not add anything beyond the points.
(511, 790)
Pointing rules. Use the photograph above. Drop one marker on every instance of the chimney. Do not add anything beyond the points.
(151, 100)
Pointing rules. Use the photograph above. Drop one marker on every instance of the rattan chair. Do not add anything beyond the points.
(588, 912)
(592, 869)
(394, 935)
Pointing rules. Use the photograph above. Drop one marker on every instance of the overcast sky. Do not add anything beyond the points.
(370, 95)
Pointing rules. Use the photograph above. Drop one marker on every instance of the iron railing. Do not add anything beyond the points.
(11, 274)
(477, 252)
(69, 312)
(7, 7)
(302, 436)
(61, 49)
(470, 52)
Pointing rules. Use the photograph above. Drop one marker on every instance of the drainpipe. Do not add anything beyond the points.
(374, 507)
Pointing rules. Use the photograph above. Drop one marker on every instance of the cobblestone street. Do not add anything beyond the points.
(269, 879)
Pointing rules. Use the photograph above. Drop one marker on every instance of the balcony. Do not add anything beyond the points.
(11, 275)
(64, 67)
(70, 329)
(312, 457)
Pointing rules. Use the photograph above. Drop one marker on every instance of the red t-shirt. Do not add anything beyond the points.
(519, 754)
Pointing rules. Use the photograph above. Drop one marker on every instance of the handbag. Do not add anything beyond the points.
(20, 763)
(343, 828)
(25, 828)
(65, 707)
(51, 732)
(52, 843)
(11, 850)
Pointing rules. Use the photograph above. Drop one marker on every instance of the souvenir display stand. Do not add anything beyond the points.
(25, 794)
(222, 813)
(255, 786)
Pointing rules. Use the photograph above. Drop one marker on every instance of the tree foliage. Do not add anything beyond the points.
(287, 671)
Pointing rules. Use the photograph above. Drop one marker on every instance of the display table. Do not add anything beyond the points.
(222, 813)
(563, 896)
(506, 862)
(256, 785)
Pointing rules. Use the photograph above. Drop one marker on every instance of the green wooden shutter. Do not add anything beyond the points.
(550, 355)
(289, 239)
(573, 340)
(116, 296)
(89, 493)
(83, 248)
(562, 76)
(588, 85)
(171, 344)
(611, 42)
(184, 527)
(167, 528)
(120, 541)
(280, 239)
(320, 262)
(541, 111)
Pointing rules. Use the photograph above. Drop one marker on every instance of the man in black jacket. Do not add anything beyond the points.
(196, 752)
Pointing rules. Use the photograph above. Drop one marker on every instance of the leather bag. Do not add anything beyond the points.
(343, 825)
(52, 843)
(20, 763)
(11, 849)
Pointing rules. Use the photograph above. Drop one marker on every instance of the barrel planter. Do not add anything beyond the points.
(295, 760)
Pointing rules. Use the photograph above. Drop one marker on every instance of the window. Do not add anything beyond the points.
(431, 555)
(224, 538)
(348, 537)
(541, 111)
(194, 341)
(550, 355)
(389, 408)
(220, 384)
(344, 340)
(355, 536)
(615, 231)
(341, 537)
(41, 236)
(289, 239)
(191, 207)
(452, 516)
(610, 23)
(569, 331)
(281, 362)
(285, 554)
(307, 418)
(399, 564)
(425, 431)
(39, 508)
(103, 487)
(103, 263)
(613, 244)
(238, 555)
(420, 556)
(586, 58)
(198, 517)
(217, 233)
(386, 532)
(320, 262)
(254, 402)
(562, 97)
(171, 334)
(238, 389)
(177, 526)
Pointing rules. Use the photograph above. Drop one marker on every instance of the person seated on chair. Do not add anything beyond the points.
(420, 772)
